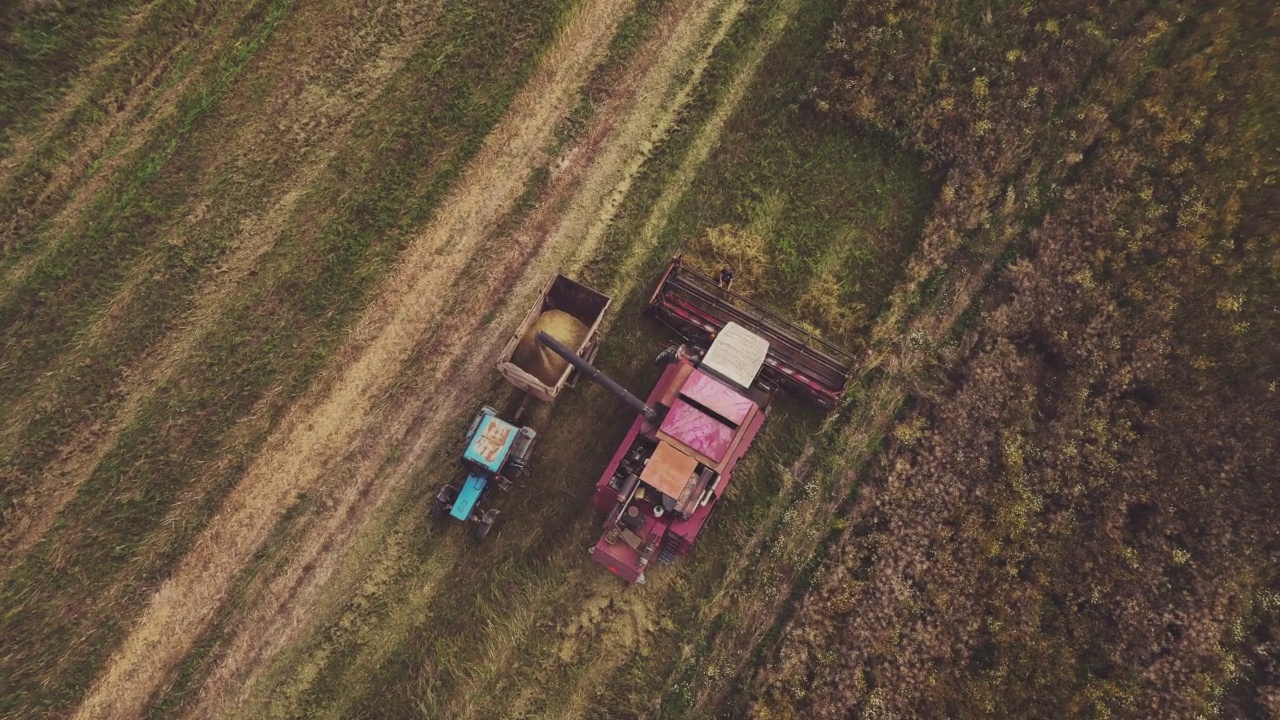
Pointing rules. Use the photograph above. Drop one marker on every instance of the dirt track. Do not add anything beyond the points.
(346, 427)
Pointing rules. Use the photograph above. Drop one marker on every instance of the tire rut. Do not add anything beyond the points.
(316, 434)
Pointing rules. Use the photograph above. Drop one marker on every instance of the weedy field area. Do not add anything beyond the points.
(259, 257)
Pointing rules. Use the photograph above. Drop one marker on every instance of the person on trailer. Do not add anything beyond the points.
(726, 278)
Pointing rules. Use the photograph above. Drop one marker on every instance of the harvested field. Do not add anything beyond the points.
(258, 259)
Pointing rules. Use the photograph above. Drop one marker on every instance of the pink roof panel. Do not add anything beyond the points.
(698, 430)
(717, 397)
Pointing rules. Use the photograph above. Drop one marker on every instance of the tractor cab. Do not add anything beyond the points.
(496, 453)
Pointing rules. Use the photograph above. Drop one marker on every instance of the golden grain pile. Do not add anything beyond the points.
(537, 359)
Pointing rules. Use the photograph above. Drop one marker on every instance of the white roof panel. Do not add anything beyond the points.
(737, 354)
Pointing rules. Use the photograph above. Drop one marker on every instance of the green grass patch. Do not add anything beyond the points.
(43, 49)
(70, 286)
(165, 43)
(264, 352)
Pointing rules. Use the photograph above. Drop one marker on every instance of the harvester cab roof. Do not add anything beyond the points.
(488, 443)
(736, 354)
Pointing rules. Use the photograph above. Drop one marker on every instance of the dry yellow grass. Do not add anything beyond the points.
(823, 303)
(314, 437)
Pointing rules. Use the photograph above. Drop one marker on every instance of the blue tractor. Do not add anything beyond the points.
(497, 453)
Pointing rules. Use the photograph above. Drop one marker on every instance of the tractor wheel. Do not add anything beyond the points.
(486, 523)
(443, 503)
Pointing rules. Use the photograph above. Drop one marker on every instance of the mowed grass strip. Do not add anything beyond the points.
(44, 47)
(604, 268)
(65, 604)
(117, 103)
(71, 287)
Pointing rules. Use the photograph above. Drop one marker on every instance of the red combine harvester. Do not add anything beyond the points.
(701, 418)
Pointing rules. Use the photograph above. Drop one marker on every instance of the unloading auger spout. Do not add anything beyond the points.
(590, 372)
